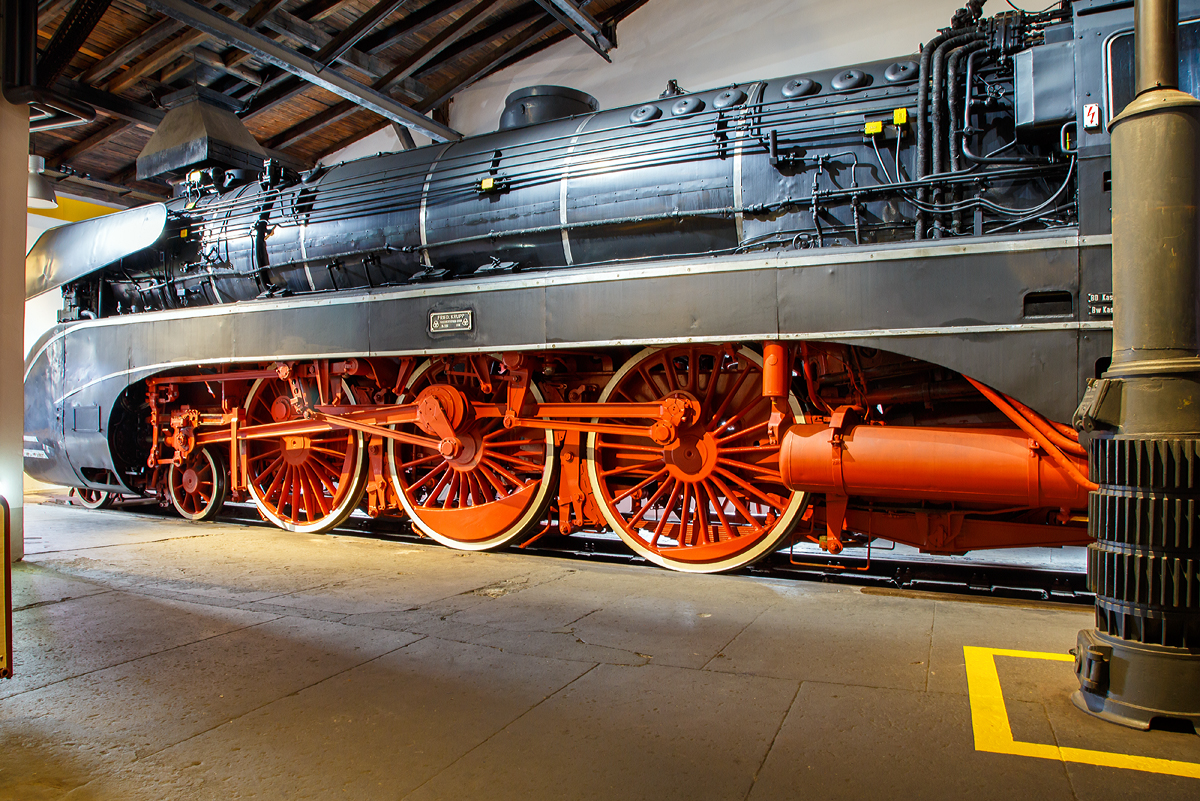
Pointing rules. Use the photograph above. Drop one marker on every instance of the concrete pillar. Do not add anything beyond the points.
(14, 167)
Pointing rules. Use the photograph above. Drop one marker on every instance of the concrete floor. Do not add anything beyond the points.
(158, 659)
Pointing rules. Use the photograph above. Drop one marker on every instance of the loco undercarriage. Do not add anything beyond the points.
(700, 457)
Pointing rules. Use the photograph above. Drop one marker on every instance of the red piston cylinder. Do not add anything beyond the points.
(964, 465)
(777, 373)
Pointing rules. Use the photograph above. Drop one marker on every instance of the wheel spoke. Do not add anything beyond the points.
(441, 468)
(682, 539)
(729, 396)
(280, 472)
(452, 490)
(447, 477)
(765, 472)
(323, 492)
(618, 471)
(421, 460)
(530, 466)
(745, 410)
(693, 372)
(659, 474)
(296, 498)
(651, 384)
(754, 429)
(719, 506)
(329, 469)
(500, 469)
(740, 507)
(482, 488)
(627, 447)
(703, 535)
(633, 521)
(464, 488)
(659, 529)
(751, 490)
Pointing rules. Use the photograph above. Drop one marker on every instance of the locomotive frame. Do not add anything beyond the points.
(650, 396)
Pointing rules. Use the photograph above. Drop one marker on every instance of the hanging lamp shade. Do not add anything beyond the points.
(41, 194)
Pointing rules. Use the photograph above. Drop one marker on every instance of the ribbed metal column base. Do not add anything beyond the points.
(1143, 660)
(1133, 684)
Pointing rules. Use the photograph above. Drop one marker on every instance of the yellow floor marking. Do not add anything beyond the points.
(993, 733)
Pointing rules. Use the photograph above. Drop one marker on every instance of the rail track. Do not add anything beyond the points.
(893, 569)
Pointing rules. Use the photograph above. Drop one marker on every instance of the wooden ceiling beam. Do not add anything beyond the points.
(573, 17)
(264, 12)
(430, 50)
(501, 27)
(261, 11)
(209, 58)
(101, 137)
(309, 35)
(68, 179)
(509, 49)
(423, 56)
(161, 57)
(69, 37)
(303, 67)
(358, 29)
(155, 61)
(49, 9)
(313, 124)
(317, 10)
(122, 178)
(111, 104)
(413, 20)
(275, 93)
(150, 38)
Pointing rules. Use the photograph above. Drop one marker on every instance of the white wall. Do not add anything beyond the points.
(708, 43)
(382, 141)
(702, 44)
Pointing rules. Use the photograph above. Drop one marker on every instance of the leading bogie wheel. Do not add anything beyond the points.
(93, 498)
(495, 490)
(307, 483)
(712, 500)
(199, 486)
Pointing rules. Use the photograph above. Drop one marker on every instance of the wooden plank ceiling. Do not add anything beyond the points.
(429, 49)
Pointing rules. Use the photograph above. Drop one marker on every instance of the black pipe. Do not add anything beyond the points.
(923, 122)
(938, 79)
(952, 134)
(19, 83)
(957, 124)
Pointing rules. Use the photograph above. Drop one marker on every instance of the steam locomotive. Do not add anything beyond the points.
(853, 304)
